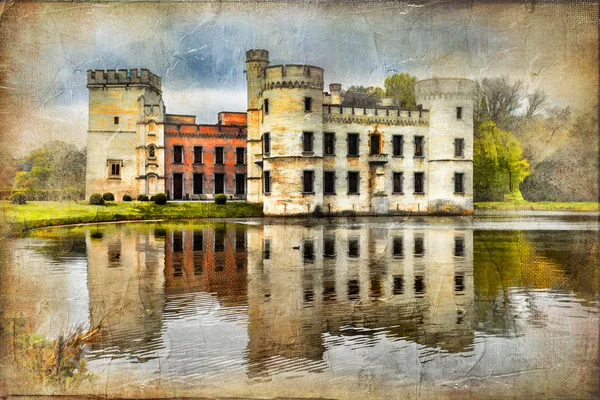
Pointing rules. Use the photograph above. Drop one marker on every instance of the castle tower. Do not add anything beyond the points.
(256, 62)
(293, 124)
(450, 147)
(125, 141)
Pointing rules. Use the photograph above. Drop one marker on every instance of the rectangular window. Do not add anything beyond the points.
(307, 142)
(240, 183)
(459, 147)
(353, 248)
(307, 104)
(219, 155)
(353, 289)
(398, 145)
(329, 248)
(266, 106)
(308, 181)
(198, 240)
(398, 247)
(459, 182)
(459, 247)
(419, 146)
(177, 154)
(219, 183)
(353, 144)
(114, 168)
(459, 282)
(398, 284)
(267, 249)
(266, 143)
(353, 182)
(240, 240)
(397, 181)
(419, 285)
(267, 182)
(419, 187)
(219, 244)
(240, 155)
(116, 120)
(419, 249)
(328, 182)
(309, 252)
(198, 153)
(198, 183)
(178, 242)
(458, 112)
(328, 143)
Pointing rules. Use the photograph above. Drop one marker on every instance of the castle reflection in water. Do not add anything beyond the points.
(293, 284)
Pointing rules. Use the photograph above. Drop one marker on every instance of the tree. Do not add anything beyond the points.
(362, 96)
(498, 165)
(535, 100)
(401, 87)
(55, 171)
(497, 100)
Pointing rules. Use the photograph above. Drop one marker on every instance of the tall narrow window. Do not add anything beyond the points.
(198, 240)
(328, 182)
(307, 104)
(419, 249)
(458, 112)
(152, 152)
(328, 143)
(116, 120)
(267, 249)
(308, 181)
(114, 168)
(397, 181)
(353, 182)
(198, 183)
(353, 144)
(459, 147)
(240, 240)
(398, 145)
(419, 146)
(459, 182)
(353, 248)
(375, 144)
(267, 182)
(219, 244)
(198, 155)
(398, 284)
(266, 106)
(240, 155)
(177, 154)
(309, 252)
(398, 247)
(307, 142)
(219, 155)
(219, 185)
(266, 143)
(459, 282)
(329, 247)
(240, 183)
(459, 246)
(419, 187)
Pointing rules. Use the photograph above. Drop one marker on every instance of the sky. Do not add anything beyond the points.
(198, 48)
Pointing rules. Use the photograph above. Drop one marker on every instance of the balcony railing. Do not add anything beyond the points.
(378, 158)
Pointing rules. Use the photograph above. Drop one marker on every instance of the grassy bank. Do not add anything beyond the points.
(39, 214)
(539, 206)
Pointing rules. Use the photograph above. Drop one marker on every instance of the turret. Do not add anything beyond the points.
(335, 91)
(256, 62)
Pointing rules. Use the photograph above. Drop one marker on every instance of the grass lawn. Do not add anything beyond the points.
(539, 206)
(38, 214)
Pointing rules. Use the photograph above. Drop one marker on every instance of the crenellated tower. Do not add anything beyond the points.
(125, 141)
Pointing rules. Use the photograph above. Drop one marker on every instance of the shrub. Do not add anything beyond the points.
(97, 199)
(18, 198)
(151, 198)
(142, 197)
(126, 197)
(160, 199)
(220, 198)
(108, 197)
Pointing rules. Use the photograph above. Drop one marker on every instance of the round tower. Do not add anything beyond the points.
(294, 122)
(256, 62)
(450, 149)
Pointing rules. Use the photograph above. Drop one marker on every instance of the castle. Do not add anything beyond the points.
(297, 150)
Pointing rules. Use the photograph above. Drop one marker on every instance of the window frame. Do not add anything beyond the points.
(222, 150)
(266, 106)
(110, 164)
(181, 154)
(325, 175)
(401, 180)
(237, 180)
(267, 182)
(308, 173)
(419, 144)
(348, 141)
(116, 120)
(421, 180)
(330, 135)
(461, 147)
(152, 152)
(459, 182)
(237, 155)
(195, 180)
(356, 180)
(266, 143)
(459, 113)
(308, 104)
(308, 142)
(201, 148)
(400, 140)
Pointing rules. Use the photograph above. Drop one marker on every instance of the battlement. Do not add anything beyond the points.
(444, 88)
(257, 55)
(383, 116)
(123, 77)
(293, 76)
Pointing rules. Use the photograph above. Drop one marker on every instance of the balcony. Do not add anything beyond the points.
(378, 158)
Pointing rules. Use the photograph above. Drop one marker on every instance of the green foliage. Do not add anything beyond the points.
(362, 96)
(55, 171)
(108, 196)
(18, 198)
(401, 87)
(126, 197)
(96, 199)
(220, 198)
(498, 165)
(142, 197)
(160, 199)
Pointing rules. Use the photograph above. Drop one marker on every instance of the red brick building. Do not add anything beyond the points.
(203, 160)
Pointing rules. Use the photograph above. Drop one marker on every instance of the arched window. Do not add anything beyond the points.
(151, 152)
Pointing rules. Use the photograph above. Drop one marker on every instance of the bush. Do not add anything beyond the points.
(97, 199)
(142, 197)
(160, 199)
(126, 197)
(18, 198)
(151, 198)
(108, 197)
(220, 198)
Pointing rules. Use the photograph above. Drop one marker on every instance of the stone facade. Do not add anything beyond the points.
(309, 154)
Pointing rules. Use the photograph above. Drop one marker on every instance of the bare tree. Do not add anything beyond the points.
(536, 100)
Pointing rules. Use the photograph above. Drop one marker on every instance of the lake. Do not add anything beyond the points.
(418, 307)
